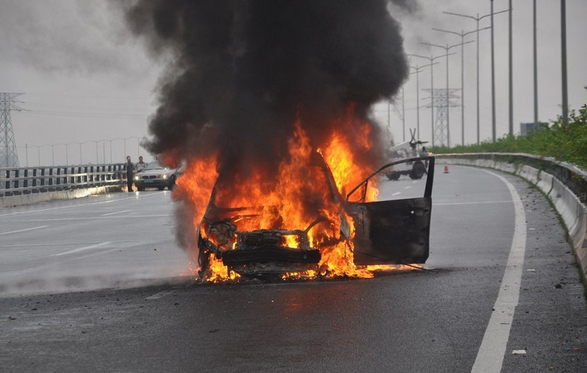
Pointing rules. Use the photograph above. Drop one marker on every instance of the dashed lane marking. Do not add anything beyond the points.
(24, 230)
(160, 294)
(84, 248)
(116, 213)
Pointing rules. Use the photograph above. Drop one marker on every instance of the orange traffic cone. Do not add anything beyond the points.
(445, 168)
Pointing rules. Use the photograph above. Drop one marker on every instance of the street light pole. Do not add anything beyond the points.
(417, 72)
(493, 126)
(477, 19)
(564, 61)
(535, 69)
(511, 76)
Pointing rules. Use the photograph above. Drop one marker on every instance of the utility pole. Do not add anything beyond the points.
(8, 153)
(477, 18)
(447, 48)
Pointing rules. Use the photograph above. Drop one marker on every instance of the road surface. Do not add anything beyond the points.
(500, 279)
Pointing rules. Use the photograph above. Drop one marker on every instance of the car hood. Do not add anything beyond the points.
(156, 172)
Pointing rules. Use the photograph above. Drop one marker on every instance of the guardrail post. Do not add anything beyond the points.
(7, 176)
(16, 181)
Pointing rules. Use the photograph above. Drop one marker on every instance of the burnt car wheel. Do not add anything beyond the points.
(418, 171)
(204, 262)
(171, 183)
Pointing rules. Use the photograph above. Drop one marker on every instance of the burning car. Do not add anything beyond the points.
(352, 229)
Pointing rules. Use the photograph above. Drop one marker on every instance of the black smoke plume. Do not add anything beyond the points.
(241, 72)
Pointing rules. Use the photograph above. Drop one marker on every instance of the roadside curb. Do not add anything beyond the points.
(31, 198)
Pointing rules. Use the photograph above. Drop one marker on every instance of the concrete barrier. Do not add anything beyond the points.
(567, 204)
(28, 199)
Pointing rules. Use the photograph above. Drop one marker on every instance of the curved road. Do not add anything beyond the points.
(500, 278)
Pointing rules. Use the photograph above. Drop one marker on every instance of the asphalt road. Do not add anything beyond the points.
(473, 305)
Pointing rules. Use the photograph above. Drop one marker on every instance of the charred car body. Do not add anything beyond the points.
(385, 232)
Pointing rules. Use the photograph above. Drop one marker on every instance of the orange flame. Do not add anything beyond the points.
(289, 200)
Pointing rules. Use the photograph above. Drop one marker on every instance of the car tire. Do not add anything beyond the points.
(204, 262)
(141, 189)
(171, 183)
(417, 171)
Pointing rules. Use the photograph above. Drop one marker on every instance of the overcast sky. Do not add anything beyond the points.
(84, 80)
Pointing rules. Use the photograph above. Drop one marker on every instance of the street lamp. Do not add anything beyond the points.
(564, 61)
(417, 71)
(446, 49)
(431, 59)
(478, 18)
(462, 34)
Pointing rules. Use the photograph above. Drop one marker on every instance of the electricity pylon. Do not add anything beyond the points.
(441, 99)
(8, 153)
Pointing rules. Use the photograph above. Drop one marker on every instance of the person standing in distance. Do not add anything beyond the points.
(140, 164)
(130, 170)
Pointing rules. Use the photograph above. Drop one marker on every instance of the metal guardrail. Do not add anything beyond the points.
(571, 176)
(28, 180)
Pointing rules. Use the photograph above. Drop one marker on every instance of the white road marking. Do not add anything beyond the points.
(84, 248)
(95, 218)
(161, 294)
(492, 351)
(115, 213)
(408, 187)
(469, 203)
(24, 230)
(396, 193)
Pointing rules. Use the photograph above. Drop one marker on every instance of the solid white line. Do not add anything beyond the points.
(469, 203)
(24, 230)
(492, 351)
(115, 213)
(83, 248)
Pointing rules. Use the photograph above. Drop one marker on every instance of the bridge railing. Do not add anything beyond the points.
(28, 180)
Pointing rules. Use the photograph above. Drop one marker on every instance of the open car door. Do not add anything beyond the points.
(393, 231)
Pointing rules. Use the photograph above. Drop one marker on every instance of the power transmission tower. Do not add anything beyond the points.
(8, 153)
(441, 98)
